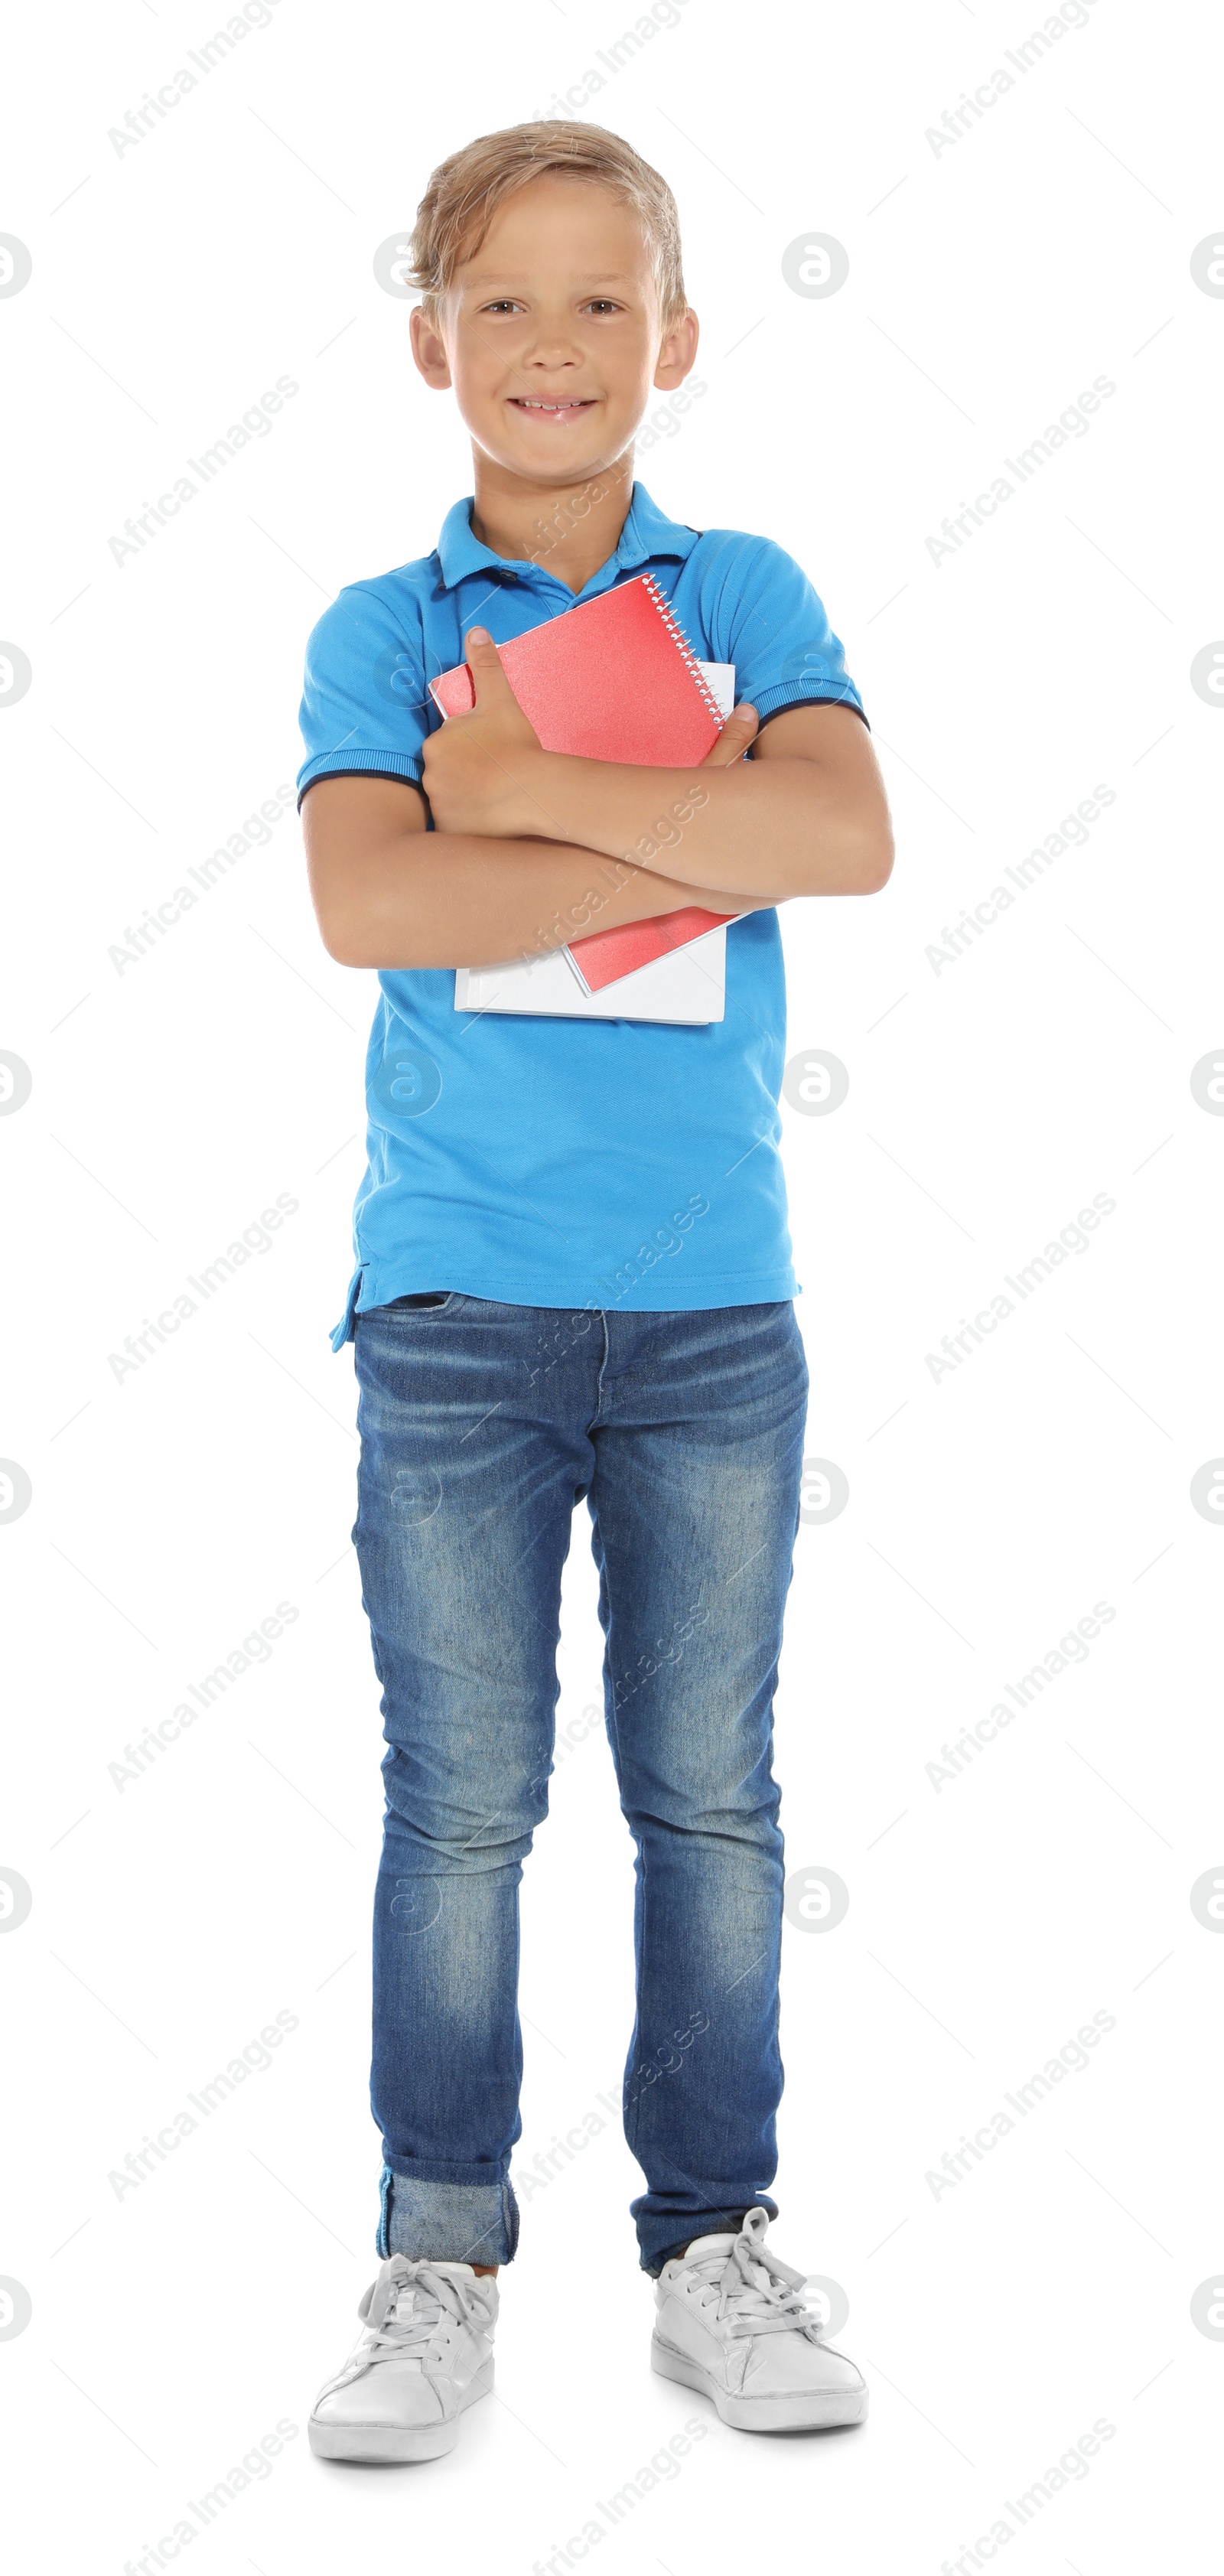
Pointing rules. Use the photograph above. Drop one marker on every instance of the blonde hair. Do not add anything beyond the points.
(465, 190)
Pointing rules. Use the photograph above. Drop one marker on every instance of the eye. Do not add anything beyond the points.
(503, 304)
(602, 304)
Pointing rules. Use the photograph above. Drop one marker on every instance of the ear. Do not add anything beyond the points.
(677, 353)
(429, 349)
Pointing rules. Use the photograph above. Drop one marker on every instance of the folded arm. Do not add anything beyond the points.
(389, 892)
(806, 814)
(532, 848)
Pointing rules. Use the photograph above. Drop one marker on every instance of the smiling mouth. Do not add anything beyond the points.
(577, 402)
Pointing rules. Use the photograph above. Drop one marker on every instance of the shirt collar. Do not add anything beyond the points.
(647, 533)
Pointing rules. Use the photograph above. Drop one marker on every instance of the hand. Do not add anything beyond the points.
(480, 768)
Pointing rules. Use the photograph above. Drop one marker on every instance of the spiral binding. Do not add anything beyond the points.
(676, 631)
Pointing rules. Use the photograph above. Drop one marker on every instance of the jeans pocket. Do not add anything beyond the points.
(429, 1301)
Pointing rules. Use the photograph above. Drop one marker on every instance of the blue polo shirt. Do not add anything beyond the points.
(553, 1162)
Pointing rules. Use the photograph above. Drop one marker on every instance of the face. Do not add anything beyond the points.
(550, 335)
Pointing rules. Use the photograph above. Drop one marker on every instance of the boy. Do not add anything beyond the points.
(573, 1282)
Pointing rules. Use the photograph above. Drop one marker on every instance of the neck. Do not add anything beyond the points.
(570, 528)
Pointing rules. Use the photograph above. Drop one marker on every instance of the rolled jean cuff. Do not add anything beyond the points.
(446, 2222)
(659, 2240)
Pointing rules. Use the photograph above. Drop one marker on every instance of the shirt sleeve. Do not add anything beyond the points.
(767, 619)
(364, 705)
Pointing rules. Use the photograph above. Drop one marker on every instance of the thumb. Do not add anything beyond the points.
(738, 732)
(484, 663)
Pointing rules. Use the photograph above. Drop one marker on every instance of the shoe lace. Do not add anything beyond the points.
(758, 2294)
(404, 2309)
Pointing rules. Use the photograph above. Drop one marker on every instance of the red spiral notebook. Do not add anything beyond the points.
(615, 679)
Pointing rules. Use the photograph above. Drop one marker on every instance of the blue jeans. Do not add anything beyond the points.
(482, 1426)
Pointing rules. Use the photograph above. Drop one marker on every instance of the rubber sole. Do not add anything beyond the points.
(382, 2445)
(811, 2410)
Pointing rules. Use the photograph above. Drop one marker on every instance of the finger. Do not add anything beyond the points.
(484, 663)
(494, 696)
(738, 732)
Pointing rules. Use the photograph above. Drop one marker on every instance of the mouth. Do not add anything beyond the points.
(559, 410)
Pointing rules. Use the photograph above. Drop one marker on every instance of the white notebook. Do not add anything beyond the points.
(688, 985)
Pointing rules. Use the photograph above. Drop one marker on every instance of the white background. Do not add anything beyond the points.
(989, 1917)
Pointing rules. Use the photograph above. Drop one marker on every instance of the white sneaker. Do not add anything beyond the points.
(427, 2352)
(733, 2322)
